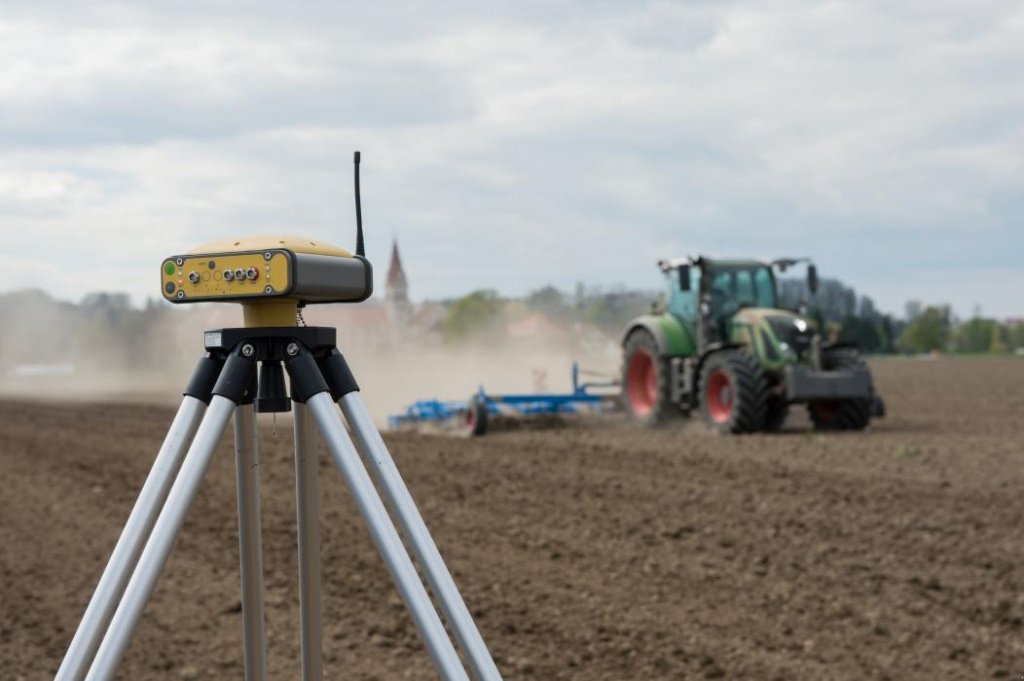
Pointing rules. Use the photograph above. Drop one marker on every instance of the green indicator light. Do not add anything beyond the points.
(168, 268)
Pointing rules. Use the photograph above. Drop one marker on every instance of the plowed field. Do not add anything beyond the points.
(591, 551)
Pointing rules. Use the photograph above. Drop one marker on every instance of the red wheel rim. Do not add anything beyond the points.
(641, 383)
(718, 395)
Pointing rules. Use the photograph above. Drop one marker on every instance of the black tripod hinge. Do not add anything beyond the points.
(338, 375)
(305, 374)
(249, 396)
(236, 379)
(200, 386)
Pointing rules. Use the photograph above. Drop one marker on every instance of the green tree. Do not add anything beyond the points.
(1016, 334)
(471, 314)
(862, 332)
(928, 331)
(886, 334)
(975, 335)
(997, 345)
(548, 300)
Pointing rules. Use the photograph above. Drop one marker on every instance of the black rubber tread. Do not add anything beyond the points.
(664, 410)
(776, 413)
(750, 391)
(852, 414)
(478, 408)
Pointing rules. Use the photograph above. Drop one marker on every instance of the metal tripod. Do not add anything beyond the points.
(225, 384)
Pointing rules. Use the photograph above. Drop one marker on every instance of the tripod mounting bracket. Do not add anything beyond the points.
(271, 343)
(309, 353)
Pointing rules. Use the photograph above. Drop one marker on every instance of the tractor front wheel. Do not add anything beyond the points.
(645, 381)
(733, 393)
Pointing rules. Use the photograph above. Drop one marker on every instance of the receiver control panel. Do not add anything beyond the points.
(227, 276)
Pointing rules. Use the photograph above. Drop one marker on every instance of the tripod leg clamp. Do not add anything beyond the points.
(236, 379)
(339, 377)
(307, 380)
(200, 386)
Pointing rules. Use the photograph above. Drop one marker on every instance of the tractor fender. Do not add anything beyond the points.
(711, 349)
(673, 339)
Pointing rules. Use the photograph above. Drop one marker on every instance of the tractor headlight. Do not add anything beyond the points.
(794, 335)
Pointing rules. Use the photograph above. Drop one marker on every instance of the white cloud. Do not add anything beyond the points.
(514, 147)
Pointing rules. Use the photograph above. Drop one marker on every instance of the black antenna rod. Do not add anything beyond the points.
(360, 247)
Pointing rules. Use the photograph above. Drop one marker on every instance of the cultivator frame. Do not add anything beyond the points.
(475, 414)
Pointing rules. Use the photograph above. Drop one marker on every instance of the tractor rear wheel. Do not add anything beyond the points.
(733, 392)
(646, 393)
(849, 414)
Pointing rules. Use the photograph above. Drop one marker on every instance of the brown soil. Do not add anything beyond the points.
(594, 551)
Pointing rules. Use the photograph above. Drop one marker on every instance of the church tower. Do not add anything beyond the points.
(397, 289)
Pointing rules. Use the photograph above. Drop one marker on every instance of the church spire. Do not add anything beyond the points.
(397, 288)
(396, 282)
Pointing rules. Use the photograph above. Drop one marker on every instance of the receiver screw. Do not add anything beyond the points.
(292, 349)
(267, 255)
(248, 349)
(181, 294)
(178, 262)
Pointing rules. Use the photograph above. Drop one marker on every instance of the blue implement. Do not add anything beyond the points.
(585, 397)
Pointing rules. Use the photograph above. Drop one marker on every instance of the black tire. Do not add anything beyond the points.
(854, 414)
(733, 392)
(776, 413)
(646, 393)
(476, 417)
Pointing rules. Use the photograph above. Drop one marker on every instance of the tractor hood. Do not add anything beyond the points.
(777, 336)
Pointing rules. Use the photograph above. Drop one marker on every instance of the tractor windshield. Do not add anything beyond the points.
(733, 286)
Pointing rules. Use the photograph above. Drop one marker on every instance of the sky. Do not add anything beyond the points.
(514, 145)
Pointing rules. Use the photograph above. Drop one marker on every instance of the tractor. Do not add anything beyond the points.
(720, 344)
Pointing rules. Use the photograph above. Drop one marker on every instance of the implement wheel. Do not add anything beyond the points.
(733, 393)
(645, 381)
(475, 423)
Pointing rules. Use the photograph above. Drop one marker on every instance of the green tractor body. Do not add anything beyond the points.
(720, 344)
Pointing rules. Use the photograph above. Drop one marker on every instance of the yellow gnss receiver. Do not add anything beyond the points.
(271, 269)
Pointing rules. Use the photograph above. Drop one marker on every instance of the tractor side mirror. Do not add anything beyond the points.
(684, 277)
(812, 279)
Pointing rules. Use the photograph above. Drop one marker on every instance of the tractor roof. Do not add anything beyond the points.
(782, 263)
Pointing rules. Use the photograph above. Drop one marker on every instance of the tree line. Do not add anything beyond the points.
(843, 315)
(935, 328)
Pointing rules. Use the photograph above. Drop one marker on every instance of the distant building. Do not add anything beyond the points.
(396, 290)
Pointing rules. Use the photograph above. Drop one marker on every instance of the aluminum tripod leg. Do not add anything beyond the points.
(136, 531)
(310, 626)
(157, 549)
(386, 537)
(380, 463)
(250, 550)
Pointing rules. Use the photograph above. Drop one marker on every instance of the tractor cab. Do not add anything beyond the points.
(711, 294)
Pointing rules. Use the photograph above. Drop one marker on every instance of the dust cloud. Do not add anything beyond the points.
(106, 350)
